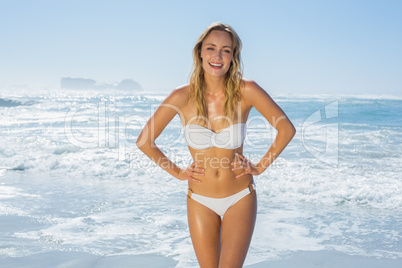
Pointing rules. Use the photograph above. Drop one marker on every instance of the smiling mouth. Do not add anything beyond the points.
(216, 65)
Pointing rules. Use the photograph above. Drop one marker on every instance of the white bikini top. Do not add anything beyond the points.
(199, 137)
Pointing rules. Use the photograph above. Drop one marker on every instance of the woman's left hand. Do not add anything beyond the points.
(245, 164)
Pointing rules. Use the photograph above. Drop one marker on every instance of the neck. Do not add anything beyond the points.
(215, 85)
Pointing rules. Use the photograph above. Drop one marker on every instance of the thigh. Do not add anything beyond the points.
(205, 226)
(237, 230)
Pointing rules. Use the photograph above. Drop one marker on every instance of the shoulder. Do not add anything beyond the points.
(179, 96)
(252, 92)
(250, 86)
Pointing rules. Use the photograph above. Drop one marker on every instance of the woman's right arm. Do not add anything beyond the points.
(154, 127)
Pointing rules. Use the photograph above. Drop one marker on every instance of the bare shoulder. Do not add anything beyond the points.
(179, 96)
(250, 86)
(255, 96)
(252, 92)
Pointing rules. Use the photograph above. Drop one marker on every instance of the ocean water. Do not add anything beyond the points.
(73, 182)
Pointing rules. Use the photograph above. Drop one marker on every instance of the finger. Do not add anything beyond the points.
(242, 158)
(240, 155)
(237, 163)
(194, 164)
(241, 174)
(238, 167)
(196, 180)
(241, 167)
(199, 169)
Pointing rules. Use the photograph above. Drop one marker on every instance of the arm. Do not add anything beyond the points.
(255, 96)
(154, 127)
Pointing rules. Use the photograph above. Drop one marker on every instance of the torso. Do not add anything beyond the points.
(218, 180)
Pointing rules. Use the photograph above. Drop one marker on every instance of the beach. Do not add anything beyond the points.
(75, 191)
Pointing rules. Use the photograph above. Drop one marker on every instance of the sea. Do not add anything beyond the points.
(75, 191)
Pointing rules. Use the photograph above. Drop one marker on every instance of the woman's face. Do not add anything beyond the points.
(217, 53)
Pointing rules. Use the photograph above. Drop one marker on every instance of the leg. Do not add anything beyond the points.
(205, 226)
(237, 230)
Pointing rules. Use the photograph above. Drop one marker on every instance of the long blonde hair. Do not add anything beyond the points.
(233, 77)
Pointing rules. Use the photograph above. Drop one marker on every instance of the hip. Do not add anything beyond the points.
(220, 183)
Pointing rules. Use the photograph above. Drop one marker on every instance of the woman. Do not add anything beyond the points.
(213, 109)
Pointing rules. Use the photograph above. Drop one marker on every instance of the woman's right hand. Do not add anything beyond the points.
(190, 171)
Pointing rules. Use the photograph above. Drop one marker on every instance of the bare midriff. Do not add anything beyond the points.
(218, 180)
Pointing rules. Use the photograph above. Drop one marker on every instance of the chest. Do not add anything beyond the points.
(215, 118)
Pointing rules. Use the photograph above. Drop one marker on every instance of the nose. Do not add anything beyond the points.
(218, 54)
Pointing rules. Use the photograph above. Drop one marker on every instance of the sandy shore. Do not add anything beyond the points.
(327, 259)
(85, 260)
(305, 259)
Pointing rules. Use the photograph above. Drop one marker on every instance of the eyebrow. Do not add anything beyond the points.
(210, 44)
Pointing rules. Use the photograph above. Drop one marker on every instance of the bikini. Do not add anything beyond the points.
(232, 137)
(200, 138)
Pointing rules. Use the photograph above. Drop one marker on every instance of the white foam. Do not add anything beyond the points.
(109, 199)
(326, 97)
(7, 192)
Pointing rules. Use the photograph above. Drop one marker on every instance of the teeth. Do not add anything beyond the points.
(216, 65)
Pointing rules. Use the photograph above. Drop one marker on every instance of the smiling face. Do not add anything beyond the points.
(217, 53)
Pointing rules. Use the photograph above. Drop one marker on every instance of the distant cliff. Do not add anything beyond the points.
(84, 83)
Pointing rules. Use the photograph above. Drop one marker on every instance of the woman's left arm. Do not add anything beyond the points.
(255, 96)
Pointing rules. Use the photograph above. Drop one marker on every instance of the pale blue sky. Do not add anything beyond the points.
(334, 46)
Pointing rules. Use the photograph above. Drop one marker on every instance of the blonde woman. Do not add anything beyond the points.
(213, 108)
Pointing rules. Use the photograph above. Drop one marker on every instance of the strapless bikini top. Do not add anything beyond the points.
(199, 137)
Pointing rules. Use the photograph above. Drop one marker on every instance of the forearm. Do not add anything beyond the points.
(157, 156)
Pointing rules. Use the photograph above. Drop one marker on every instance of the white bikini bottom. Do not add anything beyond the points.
(221, 205)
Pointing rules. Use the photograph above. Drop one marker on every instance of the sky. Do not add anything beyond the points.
(289, 46)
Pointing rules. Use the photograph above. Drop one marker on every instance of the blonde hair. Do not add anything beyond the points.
(233, 76)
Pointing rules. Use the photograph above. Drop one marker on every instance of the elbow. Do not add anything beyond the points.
(144, 143)
(141, 141)
(288, 131)
(138, 144)
(292, 131)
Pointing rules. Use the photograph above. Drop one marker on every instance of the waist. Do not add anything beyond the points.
(217, 163)
(218, 180)
(215, 158)
(220, 185)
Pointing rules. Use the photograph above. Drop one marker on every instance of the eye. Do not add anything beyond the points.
(210, 48)
(227, 51)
